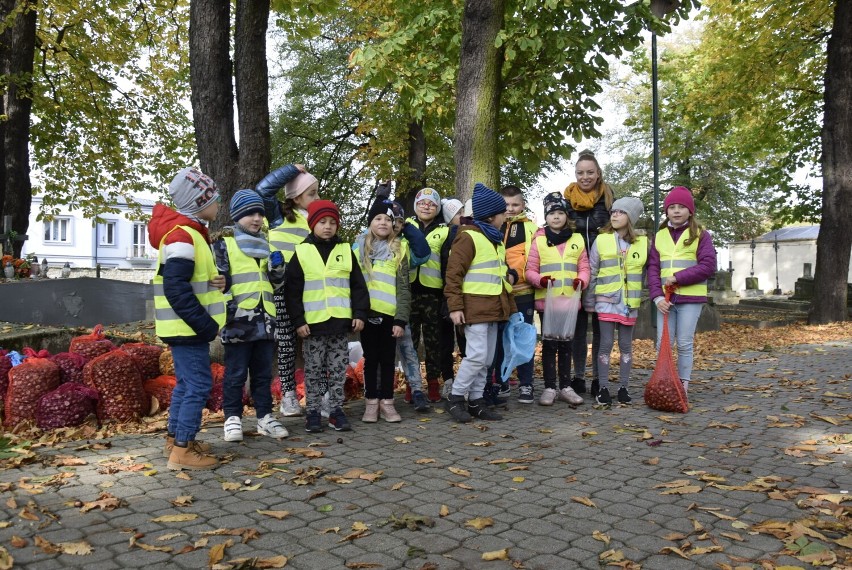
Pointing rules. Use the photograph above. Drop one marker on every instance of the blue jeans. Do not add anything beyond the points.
(194, 381)
(410, 360)
(525, 304)
(241, 360)
(683, 319)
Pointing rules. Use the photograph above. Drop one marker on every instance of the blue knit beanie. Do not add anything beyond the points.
(486, 202)
(244, 203)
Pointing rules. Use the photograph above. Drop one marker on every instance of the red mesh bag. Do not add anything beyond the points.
(91, 345)
(664, 390)
(300, 383)
(161, 388)
(33, 353)
(147, 357)
(5, 367)
(116, 378)
(354, 386)
(275, 389)
(167, 364)
(70, 366)
(28, 382)
(69, 405)
(214, 401)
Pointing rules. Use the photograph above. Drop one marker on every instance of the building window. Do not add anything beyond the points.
(106, 233)
(57, 230)
(140, 241)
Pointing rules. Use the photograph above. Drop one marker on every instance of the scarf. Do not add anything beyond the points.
(493, 234)
(380, 251)
(582, 201)
(252, 244)
(557, 238)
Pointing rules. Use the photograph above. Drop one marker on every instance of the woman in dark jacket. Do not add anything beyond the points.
(589, 204)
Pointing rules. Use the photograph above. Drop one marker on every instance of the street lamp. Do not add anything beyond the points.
(753, 245)
(777, 285)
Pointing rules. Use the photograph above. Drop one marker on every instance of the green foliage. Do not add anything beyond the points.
(109, 104)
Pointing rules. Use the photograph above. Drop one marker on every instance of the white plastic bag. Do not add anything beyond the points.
(560, 315)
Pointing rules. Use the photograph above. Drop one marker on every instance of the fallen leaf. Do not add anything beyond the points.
(182, 501)
(18, 542)
(424, 460)
(305, 451)
(611, 556)
(652, 461)
(6, 560)
(603, 537)
(444, 510)
(280, 515)
(170, 536)
(683, 490)
(496, 555)
(480, 523)
(398, 486)
(458, 471)
(584, 501)
(230, 486)
(733, 536)
(217, 552)
(105, 502)
(400, 439)
(674, 550)
(176, 518)
(259, 563)
(358, 565)
(518, 479)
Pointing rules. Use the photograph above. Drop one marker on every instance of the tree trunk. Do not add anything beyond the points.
(478, 98)
(17, 49)
(834, 243)
(407, 187)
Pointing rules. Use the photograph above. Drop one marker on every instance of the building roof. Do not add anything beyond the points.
(791, 233)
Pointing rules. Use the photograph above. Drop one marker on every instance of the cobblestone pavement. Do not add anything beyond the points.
(554, 484)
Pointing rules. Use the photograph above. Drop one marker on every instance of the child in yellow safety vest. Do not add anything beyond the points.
(189, 308)
(617, 260)
(384, 263)
(327, 299)
(478, 289)
(252, 272)
(683, 257)
(557, 255)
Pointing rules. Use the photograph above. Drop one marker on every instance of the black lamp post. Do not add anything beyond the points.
(753, 245)
(777, 284)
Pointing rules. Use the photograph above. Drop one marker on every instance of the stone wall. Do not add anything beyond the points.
(129, 275)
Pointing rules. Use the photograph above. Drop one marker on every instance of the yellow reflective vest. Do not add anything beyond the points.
(563, 268)
(249, 279)
(326, 294)
(167, 323)
(381, 280)
(288, 235)
(429, 274)
(677, 256)
(487, 272)
(621, 273)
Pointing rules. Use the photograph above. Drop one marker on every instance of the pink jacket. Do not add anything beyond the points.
(534, 262)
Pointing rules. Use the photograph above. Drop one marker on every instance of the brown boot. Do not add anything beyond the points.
(389, 413)
(371, 411)
(170, 443)
(190, 457)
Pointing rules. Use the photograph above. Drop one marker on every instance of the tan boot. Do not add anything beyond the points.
(190, 457)
(371, 411)
(389, 413)
(170, 443)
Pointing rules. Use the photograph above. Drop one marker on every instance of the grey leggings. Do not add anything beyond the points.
(625, 346)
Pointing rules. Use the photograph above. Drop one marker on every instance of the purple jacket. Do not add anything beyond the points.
(705, 268)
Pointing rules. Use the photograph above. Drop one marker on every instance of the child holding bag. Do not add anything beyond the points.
(683, 257)
(617, 260)
(557, 256)
(384, 264)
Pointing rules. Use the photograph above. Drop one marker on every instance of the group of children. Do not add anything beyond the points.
(439, 275)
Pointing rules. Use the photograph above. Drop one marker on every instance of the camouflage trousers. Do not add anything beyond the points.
(326, 358)
(437, 334)
(285, 337)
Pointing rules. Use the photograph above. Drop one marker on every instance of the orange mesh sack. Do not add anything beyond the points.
(217, 392)
(147, 357)
(91, 345)
(664, 390)
(118, 382)
(28, 382)
(161, 388)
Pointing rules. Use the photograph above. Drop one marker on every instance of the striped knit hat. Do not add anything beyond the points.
(486, 202)
(319, 209)
(244, 203)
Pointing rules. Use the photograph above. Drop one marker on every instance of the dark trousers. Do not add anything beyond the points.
(581, 343)
(379, 352)
(241, 360)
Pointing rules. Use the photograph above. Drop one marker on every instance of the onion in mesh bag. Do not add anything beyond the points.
(69, 405)
(70, 366)
(161, 388)
(91, 345)
(118, 382)
(28, 382)
(5, 367)
(147, 357)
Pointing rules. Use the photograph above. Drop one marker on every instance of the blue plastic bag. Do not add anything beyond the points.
(519, 339)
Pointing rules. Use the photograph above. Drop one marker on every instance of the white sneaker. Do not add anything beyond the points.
(290, 405)
(268, 425)
(548, 396)
(569, 395)
(234, 429)
(447, 389)
(325, 406)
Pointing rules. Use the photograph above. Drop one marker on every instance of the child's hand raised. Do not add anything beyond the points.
(357, 325)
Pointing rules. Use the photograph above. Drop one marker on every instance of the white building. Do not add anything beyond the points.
(117, 242)
(796, 255)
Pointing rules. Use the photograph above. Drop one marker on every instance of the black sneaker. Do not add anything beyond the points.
(490, 395)
(421, 404)
(479, 409)
(456, 406)
(596, 385)
(578, 385)
(525, 395)
(505, 390)
(603, 398)
(313, 421)
(337, 419)
(623, 396)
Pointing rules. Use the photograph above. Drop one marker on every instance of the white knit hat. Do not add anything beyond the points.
(449, 208)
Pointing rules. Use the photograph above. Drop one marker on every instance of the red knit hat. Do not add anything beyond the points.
(680, 195)
(319, 209)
